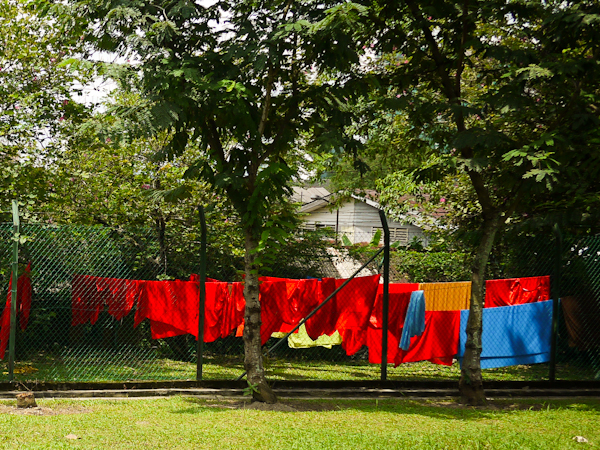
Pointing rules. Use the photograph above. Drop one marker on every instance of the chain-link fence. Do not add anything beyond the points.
(118, 304)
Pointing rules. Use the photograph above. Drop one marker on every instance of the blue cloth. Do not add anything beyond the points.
(512, 335)
(414, 323)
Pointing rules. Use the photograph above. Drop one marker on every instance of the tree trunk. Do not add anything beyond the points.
(253, 360)
(471, 380)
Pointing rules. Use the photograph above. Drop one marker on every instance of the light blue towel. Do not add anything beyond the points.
(512, 335)
(414, 323)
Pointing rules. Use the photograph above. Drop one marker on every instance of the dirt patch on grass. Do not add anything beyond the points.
(42, 410)
(281, 406)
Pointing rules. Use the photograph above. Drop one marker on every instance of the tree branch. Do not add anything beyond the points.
(461, 58)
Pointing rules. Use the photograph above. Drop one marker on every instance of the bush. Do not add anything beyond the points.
(422, 267)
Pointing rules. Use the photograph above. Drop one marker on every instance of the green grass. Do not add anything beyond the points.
(99, 366)
(185, 423)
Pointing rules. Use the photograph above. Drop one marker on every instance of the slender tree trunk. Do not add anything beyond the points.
(471, 380)
(253, 360)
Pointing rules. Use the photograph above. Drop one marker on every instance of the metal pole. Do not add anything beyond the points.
(555, 299)
(200, 344)
(386, 298)
(13, 298)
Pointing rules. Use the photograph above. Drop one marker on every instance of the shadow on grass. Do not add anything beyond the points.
(438, 409)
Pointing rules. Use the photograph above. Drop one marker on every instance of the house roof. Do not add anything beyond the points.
(311, 198)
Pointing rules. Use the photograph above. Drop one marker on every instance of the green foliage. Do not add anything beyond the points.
(424, 267)
(37, 101)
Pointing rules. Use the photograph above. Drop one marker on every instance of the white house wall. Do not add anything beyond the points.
(357, 221)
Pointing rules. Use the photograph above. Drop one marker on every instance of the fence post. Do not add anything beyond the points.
(555, 298)
(385, 305)
(201, 303)
(13, 301)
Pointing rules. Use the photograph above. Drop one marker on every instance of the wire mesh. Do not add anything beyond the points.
(107, 306)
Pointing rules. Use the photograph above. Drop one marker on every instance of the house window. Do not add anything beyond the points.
(396, 234)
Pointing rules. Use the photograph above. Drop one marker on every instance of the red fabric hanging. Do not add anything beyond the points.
(236, 306)
(273, 299)
(438, 343)
(120, 295)
(215, 310)
(5, 321)
(399, 298)
(171, 306)
(87, 299)
(303, 298)
(516, 291)
(23, 307)
(354, 307)
(89, 294)
(324, 321)
(348, 312)
(24, 292)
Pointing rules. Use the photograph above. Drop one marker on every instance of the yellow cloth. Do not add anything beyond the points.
(301, 339)
(447, 296)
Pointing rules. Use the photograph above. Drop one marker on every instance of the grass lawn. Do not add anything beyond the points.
(98, 367)
(186, 423)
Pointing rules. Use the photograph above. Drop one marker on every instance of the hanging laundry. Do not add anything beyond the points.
(399, 298)
(414, 324)
(273, 297)
(447, 296)
(89, 295)
(24, 292)
(348, 312)
(236, 306)
(195, 277)
(324, 321)
(86, 299)
(516, 291)
(438, 343)
(582, 319)
(171, 306)
(216, 310)
(23, 307)
(120, 295)
(512, 335)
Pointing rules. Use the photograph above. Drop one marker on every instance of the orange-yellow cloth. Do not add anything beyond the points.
(447, 296)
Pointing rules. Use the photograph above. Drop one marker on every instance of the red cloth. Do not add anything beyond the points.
(121, 295)
(399, 298)
(516, 291)
(90, 294)
(323, 322)
(302, 297)
(236, 307)
(438, 343)
(87, 299)
(348, 312)
(5, 321)
(196, 277)
(216, 310)
(171, 306)
(23, 307)
(273, 299)
(24, 292)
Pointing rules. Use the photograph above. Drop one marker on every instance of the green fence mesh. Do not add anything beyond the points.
(101, 340)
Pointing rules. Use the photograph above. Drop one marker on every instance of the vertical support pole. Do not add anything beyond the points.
(201, 303)
(13, 298)
(386, 284)
(556, 282)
